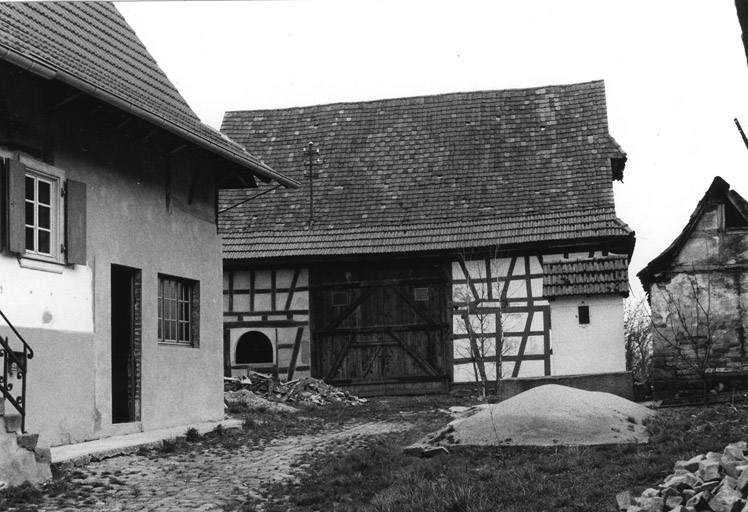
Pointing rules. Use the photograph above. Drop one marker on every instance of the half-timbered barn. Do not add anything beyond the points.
(434, 240)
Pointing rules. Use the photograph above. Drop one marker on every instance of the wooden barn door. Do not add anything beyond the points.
(381, 330)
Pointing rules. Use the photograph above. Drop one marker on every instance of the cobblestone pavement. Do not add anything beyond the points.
(212, 479)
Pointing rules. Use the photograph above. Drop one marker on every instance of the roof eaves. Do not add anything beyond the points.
(49, 72)
(718, 188)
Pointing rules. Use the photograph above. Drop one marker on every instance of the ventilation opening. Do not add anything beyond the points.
(733, 218)
(584, 315)
(254, 348)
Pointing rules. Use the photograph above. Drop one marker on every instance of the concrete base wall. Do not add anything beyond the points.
(618, 383)
(60, 391)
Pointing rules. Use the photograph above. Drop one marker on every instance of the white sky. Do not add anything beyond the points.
(675, 73)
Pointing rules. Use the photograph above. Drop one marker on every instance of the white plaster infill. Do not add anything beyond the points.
(83, 453)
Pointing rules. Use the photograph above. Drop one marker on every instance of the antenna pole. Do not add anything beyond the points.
(313, 154)
(742, 133)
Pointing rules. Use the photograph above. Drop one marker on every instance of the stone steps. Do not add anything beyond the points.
(20, 458)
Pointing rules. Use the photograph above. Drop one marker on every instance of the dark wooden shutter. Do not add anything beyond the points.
(75, 223)
(16, 207)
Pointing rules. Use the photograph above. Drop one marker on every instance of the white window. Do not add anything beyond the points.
(45, 213)
(178, 311)
(42, 218)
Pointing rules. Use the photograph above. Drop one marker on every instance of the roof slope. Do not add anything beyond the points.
(399, 175)
(90, 46)
(719, 191)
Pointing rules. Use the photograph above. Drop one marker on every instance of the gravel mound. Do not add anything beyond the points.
(548, 415)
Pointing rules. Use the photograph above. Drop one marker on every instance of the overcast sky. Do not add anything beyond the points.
(675, 73)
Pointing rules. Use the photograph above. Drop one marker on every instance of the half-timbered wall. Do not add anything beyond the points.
(492, 297)
(266, 321)
(502, 299)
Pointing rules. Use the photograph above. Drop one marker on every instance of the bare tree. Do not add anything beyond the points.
(637, 327)
(685, 325)
(480, 320)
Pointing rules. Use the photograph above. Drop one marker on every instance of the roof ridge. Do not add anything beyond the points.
(570, 86)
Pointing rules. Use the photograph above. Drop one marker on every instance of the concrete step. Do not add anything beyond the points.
(13, 423)
(20, 457)
(27, 441)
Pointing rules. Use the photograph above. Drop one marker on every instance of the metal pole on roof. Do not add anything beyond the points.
(742, 134)
(313, 154)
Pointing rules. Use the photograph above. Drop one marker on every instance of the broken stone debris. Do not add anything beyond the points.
(306, 390)
(715, 482)
(250, 401)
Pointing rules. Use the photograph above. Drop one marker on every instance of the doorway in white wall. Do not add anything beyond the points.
(126, 343)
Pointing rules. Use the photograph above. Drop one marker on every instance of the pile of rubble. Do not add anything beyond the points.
(306, 390)
(716, 482)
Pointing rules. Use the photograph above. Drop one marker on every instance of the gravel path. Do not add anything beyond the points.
(211, 479)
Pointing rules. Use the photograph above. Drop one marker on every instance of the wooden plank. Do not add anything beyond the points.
(371, 362)
(227, 353)
(413, 354)
(75, 223)
(339, 358)
(376, 343)
(469, 280)
(295, 353)
(379, 283)
(292, 290)
(16, 207)
(266, 323)
(350, 309)
(522, 346)
(414, 306)
(231, 290)
(506, 359)
(381, 329)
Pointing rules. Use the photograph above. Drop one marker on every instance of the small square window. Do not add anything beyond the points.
(421, 294)
(339, 298)
(583, 315)
(178, 311)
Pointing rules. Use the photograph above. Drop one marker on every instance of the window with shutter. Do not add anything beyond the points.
(44, 223)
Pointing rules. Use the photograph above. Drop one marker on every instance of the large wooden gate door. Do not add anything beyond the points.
(381, 330)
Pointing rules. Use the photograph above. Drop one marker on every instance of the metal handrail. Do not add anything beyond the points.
(26, 346)
(10, 357)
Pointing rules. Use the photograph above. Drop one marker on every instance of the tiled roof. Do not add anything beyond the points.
(480, 160)
(90, 46)
(719, 192)
(586, 277)
(424, 237)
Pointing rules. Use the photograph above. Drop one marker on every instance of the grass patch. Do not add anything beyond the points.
(379, 478)
(192, 435)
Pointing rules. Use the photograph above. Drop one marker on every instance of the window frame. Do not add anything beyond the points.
(170, 330)
(56, 178)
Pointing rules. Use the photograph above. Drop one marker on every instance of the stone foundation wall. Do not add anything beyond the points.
(699, 327)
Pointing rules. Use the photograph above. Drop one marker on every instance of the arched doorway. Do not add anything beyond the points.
(253, 347)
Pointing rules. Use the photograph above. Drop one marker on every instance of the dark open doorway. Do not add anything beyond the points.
(125, 344)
